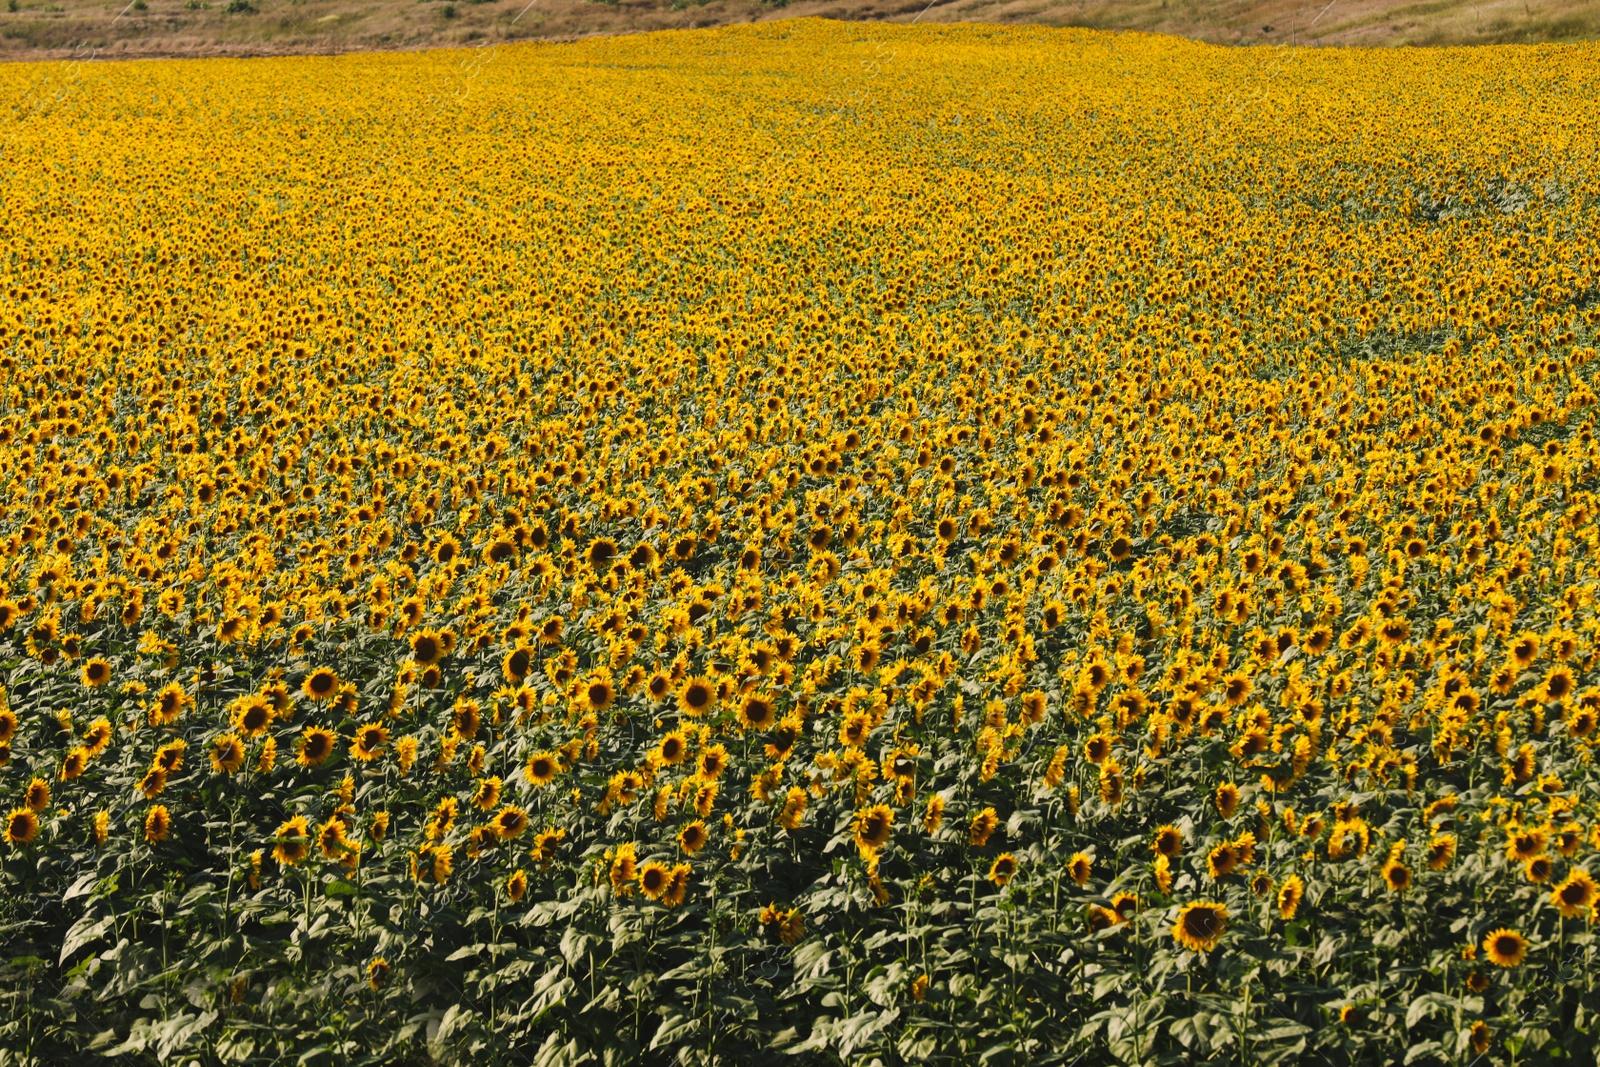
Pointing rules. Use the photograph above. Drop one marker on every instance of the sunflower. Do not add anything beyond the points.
(509, 822)
(1222, 859)
(1290, 894)
(332, 840)
(791, 926)
(466, 717)
(1102, 918)
(227, 754)
(1526, 844)
(157, 823)
(251, 716)
(1393, 632)
(693, 837)
(600, 553)
(1003, 869)
(542, 768)
(1524, 650)
(314, 746)
(654, 879)
(1168, 841)
(597, 695)
(95, 673)
(98, 736)
(696, 696)
(1080, 867)
(322, 684)
(427, 647)
(377, 972)
(169, 757)
(1397, 876)
(1227, 799)
(291, 843)
(793, 812)
(677, 885)
(1126, 905)
(1505, 948)
(1558, 685)
(1200, 925)
(872, 827)
(981, 826)
(369, 741)
(168, 704)
(153, 782)
(73, 764)
(1161, 870)
(1479, 1037)
(1538, 869)
(854, 729)
(644, 558)
(757, 712)
(1575, 897)
(672, 748)
(22, 825)
(623, 868)
(443, 862)
(278, 698)
(442, 818)
(498, 550)
(712, 762)
(487, 794)
(1236, 689)
(37, 796)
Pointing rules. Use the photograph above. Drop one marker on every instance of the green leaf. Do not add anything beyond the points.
(673, 1029)
(85, 931)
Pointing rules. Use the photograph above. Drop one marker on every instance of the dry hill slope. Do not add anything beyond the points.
(66, 29)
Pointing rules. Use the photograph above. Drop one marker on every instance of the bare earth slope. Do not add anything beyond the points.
(96, 29)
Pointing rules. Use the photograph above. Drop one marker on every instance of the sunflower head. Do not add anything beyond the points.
(322, 684)
(1290, 893)
(1003, 869)
(697, 696)
(653, 880)
(1200, 925)
(316, 744)
(427, 647)
(873, 826)
(542, 768)
(157, 823)
(22, 825)
(1504, 947)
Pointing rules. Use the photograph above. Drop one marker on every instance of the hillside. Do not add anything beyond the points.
(94, 29)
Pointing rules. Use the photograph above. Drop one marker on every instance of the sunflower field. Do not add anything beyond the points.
(845, 544)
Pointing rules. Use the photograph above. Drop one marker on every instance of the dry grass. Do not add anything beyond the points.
(59, 29)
